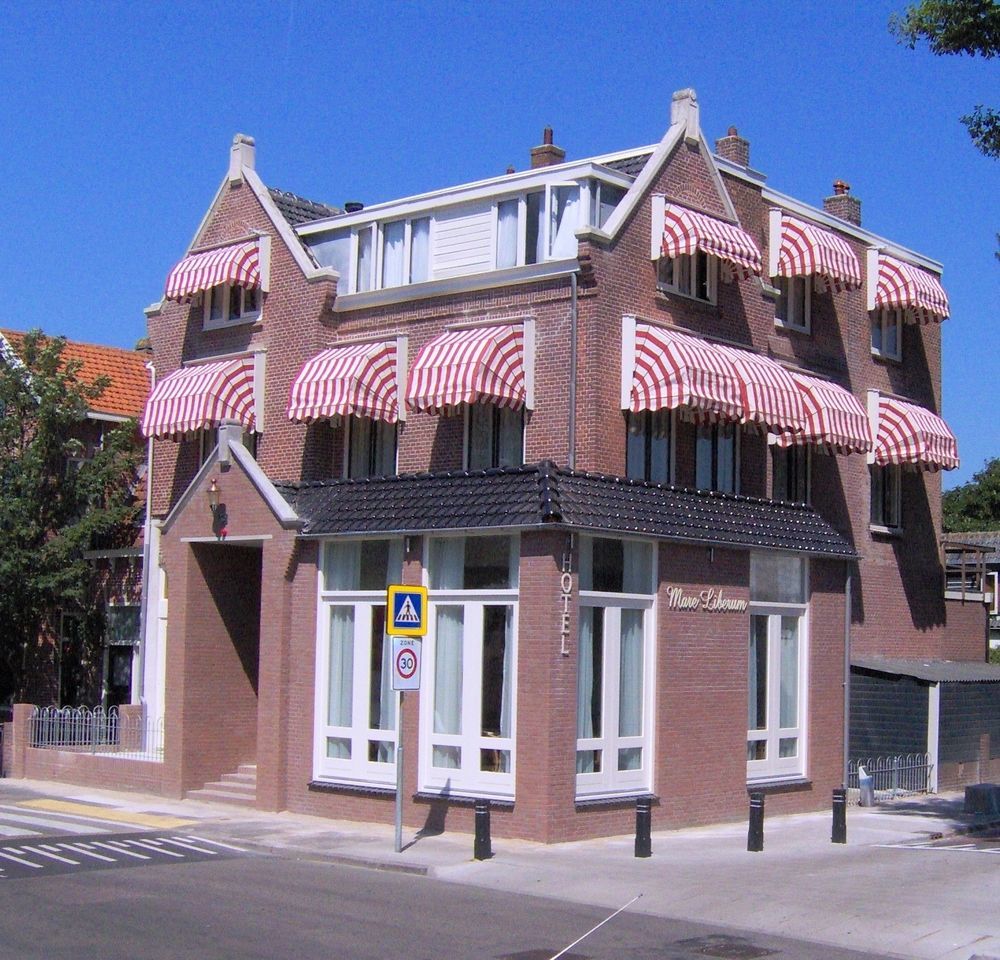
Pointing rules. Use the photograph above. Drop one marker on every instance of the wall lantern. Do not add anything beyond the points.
(220, 518)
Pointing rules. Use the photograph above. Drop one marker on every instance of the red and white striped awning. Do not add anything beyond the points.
(483, 364)
(716, 382)
(685, 232)
(238, 264)
(916, 290)
(677, 370)
(201, 396)
(835, 418)
(807, 249)
(357, 380)
(908, 433)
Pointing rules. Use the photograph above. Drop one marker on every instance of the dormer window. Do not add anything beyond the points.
(230, 304)
(692, 275)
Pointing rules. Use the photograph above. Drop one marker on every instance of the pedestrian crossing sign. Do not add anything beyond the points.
(407, 608)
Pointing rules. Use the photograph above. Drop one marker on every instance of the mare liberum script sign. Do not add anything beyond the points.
(706, 601)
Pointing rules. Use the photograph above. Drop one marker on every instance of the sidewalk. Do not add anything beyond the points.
(920, 903)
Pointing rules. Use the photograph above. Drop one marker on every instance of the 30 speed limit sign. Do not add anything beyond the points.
(405, 663)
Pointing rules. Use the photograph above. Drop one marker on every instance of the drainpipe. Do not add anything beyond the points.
(573, 313)
(848, 584)
(139, 689)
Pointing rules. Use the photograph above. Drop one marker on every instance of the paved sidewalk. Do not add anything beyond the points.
(871, 894)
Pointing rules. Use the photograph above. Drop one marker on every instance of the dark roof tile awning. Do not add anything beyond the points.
(540, 495)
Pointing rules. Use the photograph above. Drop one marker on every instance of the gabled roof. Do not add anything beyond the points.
(125, 369)
(544, 495)
(988, 539)
(297, 210)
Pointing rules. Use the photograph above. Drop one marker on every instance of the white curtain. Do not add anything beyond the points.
(507, 233)
(630, 674)
(447, 563)
(788, 711)
(448, 670)
(343, 565)
(341, 687)
(564, 222)
(420, 250)
(506, 696)
(364, 279)
(585, 689)
(511, 446)
(392, 254)
(636, 575)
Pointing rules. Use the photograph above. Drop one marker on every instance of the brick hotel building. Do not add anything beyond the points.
(662, 442)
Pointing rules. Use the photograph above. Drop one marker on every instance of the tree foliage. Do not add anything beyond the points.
(60, 497)
(958, 27)
(974, 505)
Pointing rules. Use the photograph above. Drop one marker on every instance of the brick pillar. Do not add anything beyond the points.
(20, 738)
(130, 718)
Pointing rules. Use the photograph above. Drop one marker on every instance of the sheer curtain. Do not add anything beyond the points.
(386, 699)
(506, 697)
(392, 254)
(637, 568)
(447, 563)
(788, 712)
(585, 690)
(448, 681)
(341, 689)
(364, 281)
(564, 220)
(507, 233)
(630, 687)
(343, 566)
(420, 250)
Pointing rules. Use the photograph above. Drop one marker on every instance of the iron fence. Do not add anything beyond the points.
(96, 730)
(892, 776)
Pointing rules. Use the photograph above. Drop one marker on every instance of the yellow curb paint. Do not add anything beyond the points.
(107, 813)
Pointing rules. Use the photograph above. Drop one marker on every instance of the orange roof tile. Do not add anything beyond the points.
(125, 394)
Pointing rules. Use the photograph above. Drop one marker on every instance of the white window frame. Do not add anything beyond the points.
(993, 577)
(775, 767)
(785, 286)
(226, 291)
(672, 284)
(358, 769)
(468, 780)
(892, 474)
(881, 317)
(609, 781)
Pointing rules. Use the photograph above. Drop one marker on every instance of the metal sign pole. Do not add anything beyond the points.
(399, 773)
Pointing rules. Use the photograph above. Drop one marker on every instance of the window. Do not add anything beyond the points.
(613, 705)
(468, 694)
(564, 221)
(420, 250)
(776, 668)
(393, 235)
(691, 275)
(494, 437)
(794, 307)
(533, 247)
(717, 458)
(790, 473)
(208, 439)
(604, 197)
(887, 333)
(886, 500)
(355, 734)
(371, 447)
(364, 278)
(230, 304)
(649, 445)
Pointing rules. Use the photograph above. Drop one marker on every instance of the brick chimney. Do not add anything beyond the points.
(548, 154)
(241, 156)
(734, 148)
(842, 204)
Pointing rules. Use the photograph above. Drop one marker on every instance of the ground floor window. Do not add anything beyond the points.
(613, 692)
(776, 668)
(355, 705)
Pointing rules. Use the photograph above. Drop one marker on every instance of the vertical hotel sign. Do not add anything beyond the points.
(565, 596)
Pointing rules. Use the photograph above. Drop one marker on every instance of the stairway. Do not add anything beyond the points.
(238, 788)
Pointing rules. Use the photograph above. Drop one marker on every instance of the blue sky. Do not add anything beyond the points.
(116, 121)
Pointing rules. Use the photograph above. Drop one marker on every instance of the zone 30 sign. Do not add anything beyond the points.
(406, 609)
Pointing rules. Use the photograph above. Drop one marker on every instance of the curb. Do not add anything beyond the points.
(344, 859)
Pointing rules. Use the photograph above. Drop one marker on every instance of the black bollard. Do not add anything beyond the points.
(643, 822)
(755, 835)
(839, 834)
(483, 849)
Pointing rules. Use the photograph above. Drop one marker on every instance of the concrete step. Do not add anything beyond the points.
(216, 793)
(249, 769)
(240, 780)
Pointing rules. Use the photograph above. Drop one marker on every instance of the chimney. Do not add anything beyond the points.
(734, 148)
(547, 155)
(842, 204)
(241, 156)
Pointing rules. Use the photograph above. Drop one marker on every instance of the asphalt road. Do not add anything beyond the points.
(269, 907)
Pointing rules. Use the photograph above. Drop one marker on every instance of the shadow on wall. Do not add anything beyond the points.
(922, 581)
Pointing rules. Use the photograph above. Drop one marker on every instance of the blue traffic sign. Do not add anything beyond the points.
(407, 611)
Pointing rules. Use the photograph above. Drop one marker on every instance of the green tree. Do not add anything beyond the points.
(974, 505)
(57, 498)
(958, 27)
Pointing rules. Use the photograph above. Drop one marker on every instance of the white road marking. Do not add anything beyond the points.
(16, 832)
(53, 856)
(78, 848)
(64, 826)
(189, 846)
(116, 847)
(154, 845)
(27, 863)
(217, 843)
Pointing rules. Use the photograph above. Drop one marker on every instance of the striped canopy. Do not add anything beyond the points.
(200, 396)
(908, 433)
(480, 365)
(238, 264)
(357, 380)
(685, 232)
(835, 418)
(916, 290)
(807, 249)
(716, 382)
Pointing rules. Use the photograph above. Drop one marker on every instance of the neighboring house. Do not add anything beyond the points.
(68, 669)
(658, 439)
(985, 543)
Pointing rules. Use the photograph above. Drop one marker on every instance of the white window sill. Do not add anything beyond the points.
(450, 285)
(671, 292)
(789, 780)
(967, 595)
(883, 531)
(792, 328)
(886, 357)
(228, 324)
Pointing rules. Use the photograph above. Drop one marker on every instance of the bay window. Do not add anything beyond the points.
(776, 668)
(614, 667)
(468, 694)
(355, 719)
